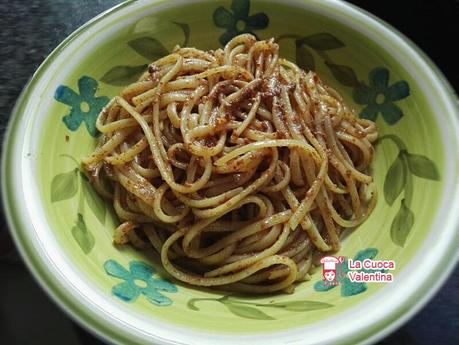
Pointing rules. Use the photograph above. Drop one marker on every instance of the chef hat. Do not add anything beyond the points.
(329, 262)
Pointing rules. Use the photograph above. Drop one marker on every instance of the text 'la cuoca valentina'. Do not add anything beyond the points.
(368, 264)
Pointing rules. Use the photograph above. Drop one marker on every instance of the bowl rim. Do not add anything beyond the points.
(90, 321)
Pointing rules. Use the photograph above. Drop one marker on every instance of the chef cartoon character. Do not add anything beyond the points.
(329, 268)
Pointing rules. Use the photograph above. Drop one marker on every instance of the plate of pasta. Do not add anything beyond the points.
(209, 172)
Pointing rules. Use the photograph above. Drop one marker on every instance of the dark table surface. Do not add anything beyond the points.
(31, 29)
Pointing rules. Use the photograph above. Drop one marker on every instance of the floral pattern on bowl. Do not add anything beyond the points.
(85, 106)
(238, 21)
(380, 97)
(138, 281)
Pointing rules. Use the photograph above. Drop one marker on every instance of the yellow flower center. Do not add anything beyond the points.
(380, 98)
(240, 25)
(84, 107)
(140, 283)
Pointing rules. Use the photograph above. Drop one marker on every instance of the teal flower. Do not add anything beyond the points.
(349, 288)
(380, 97)
(239, 21)
(85, 106)
(138, 280)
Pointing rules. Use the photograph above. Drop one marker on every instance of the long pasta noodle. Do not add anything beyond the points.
(234, 165)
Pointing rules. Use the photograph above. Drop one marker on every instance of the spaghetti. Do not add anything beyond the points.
(235, 165)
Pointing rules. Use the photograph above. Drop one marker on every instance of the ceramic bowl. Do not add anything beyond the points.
(64, 231)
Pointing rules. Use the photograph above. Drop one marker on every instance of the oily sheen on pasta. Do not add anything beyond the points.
(235, 165)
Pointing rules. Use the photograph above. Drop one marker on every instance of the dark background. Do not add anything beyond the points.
(30, 30)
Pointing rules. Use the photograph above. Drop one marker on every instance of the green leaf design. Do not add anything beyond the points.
(304, 58)
(395, 179)
(71, 158)
(122, 75)
(300, 305)
(186, 32)
(402, 224)
(64, 186)
(94, 201)
(422, 166)
(82, 235)
(323, 41)
(192, 304)
(344, 74)
(247, 312)
(148, 47)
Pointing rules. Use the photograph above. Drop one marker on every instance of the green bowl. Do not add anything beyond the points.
(64, 231)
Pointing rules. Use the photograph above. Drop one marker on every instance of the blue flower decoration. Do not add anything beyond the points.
(138, 280)
(379, 97)
(238, 21)
(349, 288)
(85, 106)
